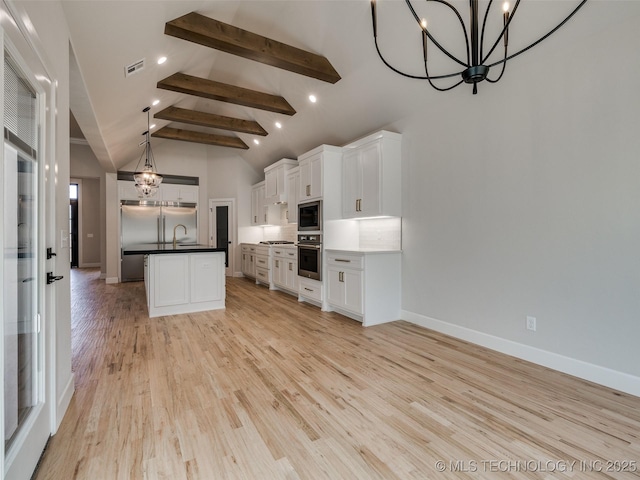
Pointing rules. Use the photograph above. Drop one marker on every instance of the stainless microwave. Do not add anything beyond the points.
(310, 216)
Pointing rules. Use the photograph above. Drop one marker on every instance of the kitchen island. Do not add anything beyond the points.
(182, 279)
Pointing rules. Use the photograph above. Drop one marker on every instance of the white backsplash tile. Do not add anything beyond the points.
(381, 233)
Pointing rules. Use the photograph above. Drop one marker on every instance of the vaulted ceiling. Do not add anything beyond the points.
(107, 36)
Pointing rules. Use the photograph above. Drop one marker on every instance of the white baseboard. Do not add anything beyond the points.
(89, 265)
(64, 401)
(112, 280)
(607, 377)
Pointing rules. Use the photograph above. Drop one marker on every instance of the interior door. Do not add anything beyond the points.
(222, 229)
(26, 405)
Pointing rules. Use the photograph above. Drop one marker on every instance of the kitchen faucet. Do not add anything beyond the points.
(174, 233)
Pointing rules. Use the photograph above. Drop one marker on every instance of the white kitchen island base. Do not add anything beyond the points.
(184, 282)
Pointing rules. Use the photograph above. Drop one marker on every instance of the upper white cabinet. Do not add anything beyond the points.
(276, 181)
(179, 193)
(261, 213)
(321, 179)
(293, 185)
(372, 175)
(168, 192)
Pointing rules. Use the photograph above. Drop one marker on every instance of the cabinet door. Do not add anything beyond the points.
(279, 277)
(258, 210)
(271, 182)
(188, 194)
(170, 274)
(351, 183)
(291, 274)
(335, 286)
(205, 280)
(311, 178)
(293, 186)
(352, 280)
(370, 200)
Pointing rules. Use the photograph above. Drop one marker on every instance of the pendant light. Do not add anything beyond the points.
(148, 179)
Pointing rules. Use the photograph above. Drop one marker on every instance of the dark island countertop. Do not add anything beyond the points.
(157, 248)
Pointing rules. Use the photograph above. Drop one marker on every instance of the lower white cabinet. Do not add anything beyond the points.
(364, 286)
(184, 282)
(310, 290)
(249, 260)
(284, 266)
(263, 265)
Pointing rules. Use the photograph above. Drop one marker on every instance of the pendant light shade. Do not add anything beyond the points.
(147, 180)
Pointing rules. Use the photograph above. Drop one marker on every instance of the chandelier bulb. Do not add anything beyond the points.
(423, 23)
(505, 7)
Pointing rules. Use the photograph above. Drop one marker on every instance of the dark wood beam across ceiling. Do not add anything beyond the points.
(197, 28)
(202, 87)
(200, 137)
(192, 117)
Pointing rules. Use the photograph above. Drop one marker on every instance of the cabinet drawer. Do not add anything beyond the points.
(262, 275)
(286, 253)
(310, 289)
(262, 262)
(346, 260)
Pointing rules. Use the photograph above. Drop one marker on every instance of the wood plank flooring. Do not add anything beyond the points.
(273, 389)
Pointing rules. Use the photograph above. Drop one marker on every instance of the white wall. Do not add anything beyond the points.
(525, 200)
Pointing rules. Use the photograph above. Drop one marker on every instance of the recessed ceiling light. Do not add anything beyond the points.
(155, 102)
(278, 125)
(256, 141)
(313, 99)
(161, 60)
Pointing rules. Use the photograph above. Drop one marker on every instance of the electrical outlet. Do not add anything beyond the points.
(531, 323)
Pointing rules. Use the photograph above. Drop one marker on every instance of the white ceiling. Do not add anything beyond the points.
(108, 35)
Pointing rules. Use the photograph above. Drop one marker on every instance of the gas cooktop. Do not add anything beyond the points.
(276, 242)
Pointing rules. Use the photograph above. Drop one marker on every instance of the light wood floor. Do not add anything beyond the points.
(273, 389)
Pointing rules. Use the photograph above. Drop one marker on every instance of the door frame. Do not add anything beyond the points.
(231, 203)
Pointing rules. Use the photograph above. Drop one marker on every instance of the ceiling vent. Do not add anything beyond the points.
(134, 68)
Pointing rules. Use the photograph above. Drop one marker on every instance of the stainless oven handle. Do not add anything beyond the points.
(317, 247)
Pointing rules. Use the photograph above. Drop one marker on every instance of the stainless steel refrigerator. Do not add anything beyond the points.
(149, 223)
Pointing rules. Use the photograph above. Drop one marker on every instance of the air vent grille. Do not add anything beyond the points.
(133, 68)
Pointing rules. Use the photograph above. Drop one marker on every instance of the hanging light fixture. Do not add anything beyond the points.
(148, 179)
(475, 68)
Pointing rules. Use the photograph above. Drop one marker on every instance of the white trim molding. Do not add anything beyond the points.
(607, 377)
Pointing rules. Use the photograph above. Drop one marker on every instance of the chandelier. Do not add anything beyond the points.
(147, 180)
(475, 67)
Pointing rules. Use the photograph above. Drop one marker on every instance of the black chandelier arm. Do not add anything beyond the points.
(440, 89)
(513, 55)
(502, 34)
(435, 42)
(408, 75)
(504, 65)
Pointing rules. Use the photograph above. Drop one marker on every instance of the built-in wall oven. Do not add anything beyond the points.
(310, 256)
(310, 216)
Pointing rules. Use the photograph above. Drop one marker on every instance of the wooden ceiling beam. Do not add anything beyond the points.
(192, 117)
(205, 88)
(200, 137)
(202, 30)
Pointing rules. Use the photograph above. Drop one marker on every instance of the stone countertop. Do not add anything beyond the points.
(161, 248)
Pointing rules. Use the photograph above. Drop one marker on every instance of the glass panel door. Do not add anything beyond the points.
(21, 330)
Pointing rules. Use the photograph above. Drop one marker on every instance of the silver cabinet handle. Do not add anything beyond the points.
(308, 289)
(291, 267)
(342, 260)
(277, 263)
(308, 190)
(341, 277)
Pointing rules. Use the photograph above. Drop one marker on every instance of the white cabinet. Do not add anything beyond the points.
(293, 185)
(127, 191)
(185, 282)
(276, 181)
(321, 179)
(261, 213)
(179, 193)
(310, 290)
(285, 268)
(249, 260)
(364, 285)
(371, 170)
(310, 187)
(263, 265)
